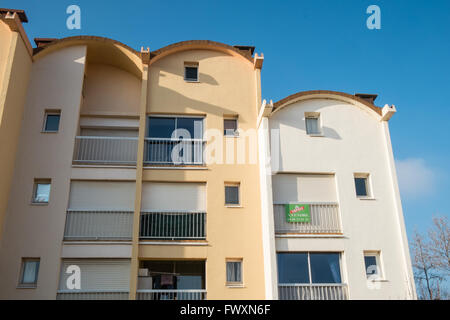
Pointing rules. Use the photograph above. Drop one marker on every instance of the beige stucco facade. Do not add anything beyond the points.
(104, 185)
(98, 82)
(15, 65)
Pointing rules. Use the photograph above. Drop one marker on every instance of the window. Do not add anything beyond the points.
(312, 120)
(232, 194)
(164, 127)
(362, 185)
(234, 272)
(191, 71)
(51, 122)
(163, 145)
(372, 265)
(230, 127)
(41, 193)
(29, 272)
(309, 268)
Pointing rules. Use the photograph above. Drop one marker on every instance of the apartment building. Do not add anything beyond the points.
(96, 190)
(161, 175)
(332, 215)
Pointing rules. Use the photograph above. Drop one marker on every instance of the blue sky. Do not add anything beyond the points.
(311, 44)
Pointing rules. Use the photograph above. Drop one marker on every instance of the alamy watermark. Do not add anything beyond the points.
(74, 19)
(374, 20)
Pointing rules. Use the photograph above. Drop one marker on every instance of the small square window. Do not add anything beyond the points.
(41, 193)
(372, 265)
(362, 186)
(52, 119)
(191, 71)
(234, 272)
(230, 127)
(29, 272)
(232, 195)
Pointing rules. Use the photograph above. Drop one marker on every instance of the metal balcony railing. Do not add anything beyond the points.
(172, 225)
(92, 295)
(171, 295)
(98, 225)
(325, 218)
(105, 150)
(312, 292)
(167, 151)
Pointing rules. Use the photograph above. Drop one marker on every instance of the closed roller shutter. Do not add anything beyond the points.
(304, 188)
(99, 274)
(102, 195)
(173, 196)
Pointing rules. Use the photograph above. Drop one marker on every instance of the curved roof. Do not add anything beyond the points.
(100, 50)
(199, 44)
(325, 94)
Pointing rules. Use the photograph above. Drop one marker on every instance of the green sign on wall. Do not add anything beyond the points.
(298, 213)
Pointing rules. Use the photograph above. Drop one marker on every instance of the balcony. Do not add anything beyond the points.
(98, 225)
(312, 292)
(171, 280)
(171, 295)
(325, 219)
(105, 150)
(92, 295)
(169, 151)
(157, 225)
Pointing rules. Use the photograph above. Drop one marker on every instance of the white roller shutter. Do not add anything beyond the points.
(102, 195)
(98, 274)
(304, 188)
(173, 196)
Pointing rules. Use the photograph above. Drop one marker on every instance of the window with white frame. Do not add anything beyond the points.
(41, 191)
(234, 271)
(309, 267)
(362, 185)
(29, 272)
(372, 265)
(312, 121)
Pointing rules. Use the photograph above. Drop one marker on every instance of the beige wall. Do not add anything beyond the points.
(226, 86)
(15, 65)
(110, 90)
(32, 230)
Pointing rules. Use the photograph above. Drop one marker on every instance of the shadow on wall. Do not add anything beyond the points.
(175, 67)
(203, 78)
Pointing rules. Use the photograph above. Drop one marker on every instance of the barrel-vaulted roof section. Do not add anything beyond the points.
(100, 50)
(326, 94)
(105, 50)
(199, 44)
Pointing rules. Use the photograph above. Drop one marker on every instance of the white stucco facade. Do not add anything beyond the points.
(354, 139)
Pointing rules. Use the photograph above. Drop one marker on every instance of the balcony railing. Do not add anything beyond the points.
(312, 292)
(325, 218)
(105, 150)
(92, 295)
(171, 295)
(98, 225)
(172, 225)
(167, 151)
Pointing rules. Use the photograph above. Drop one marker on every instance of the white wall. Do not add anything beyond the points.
(353, 141)
(304, 188)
